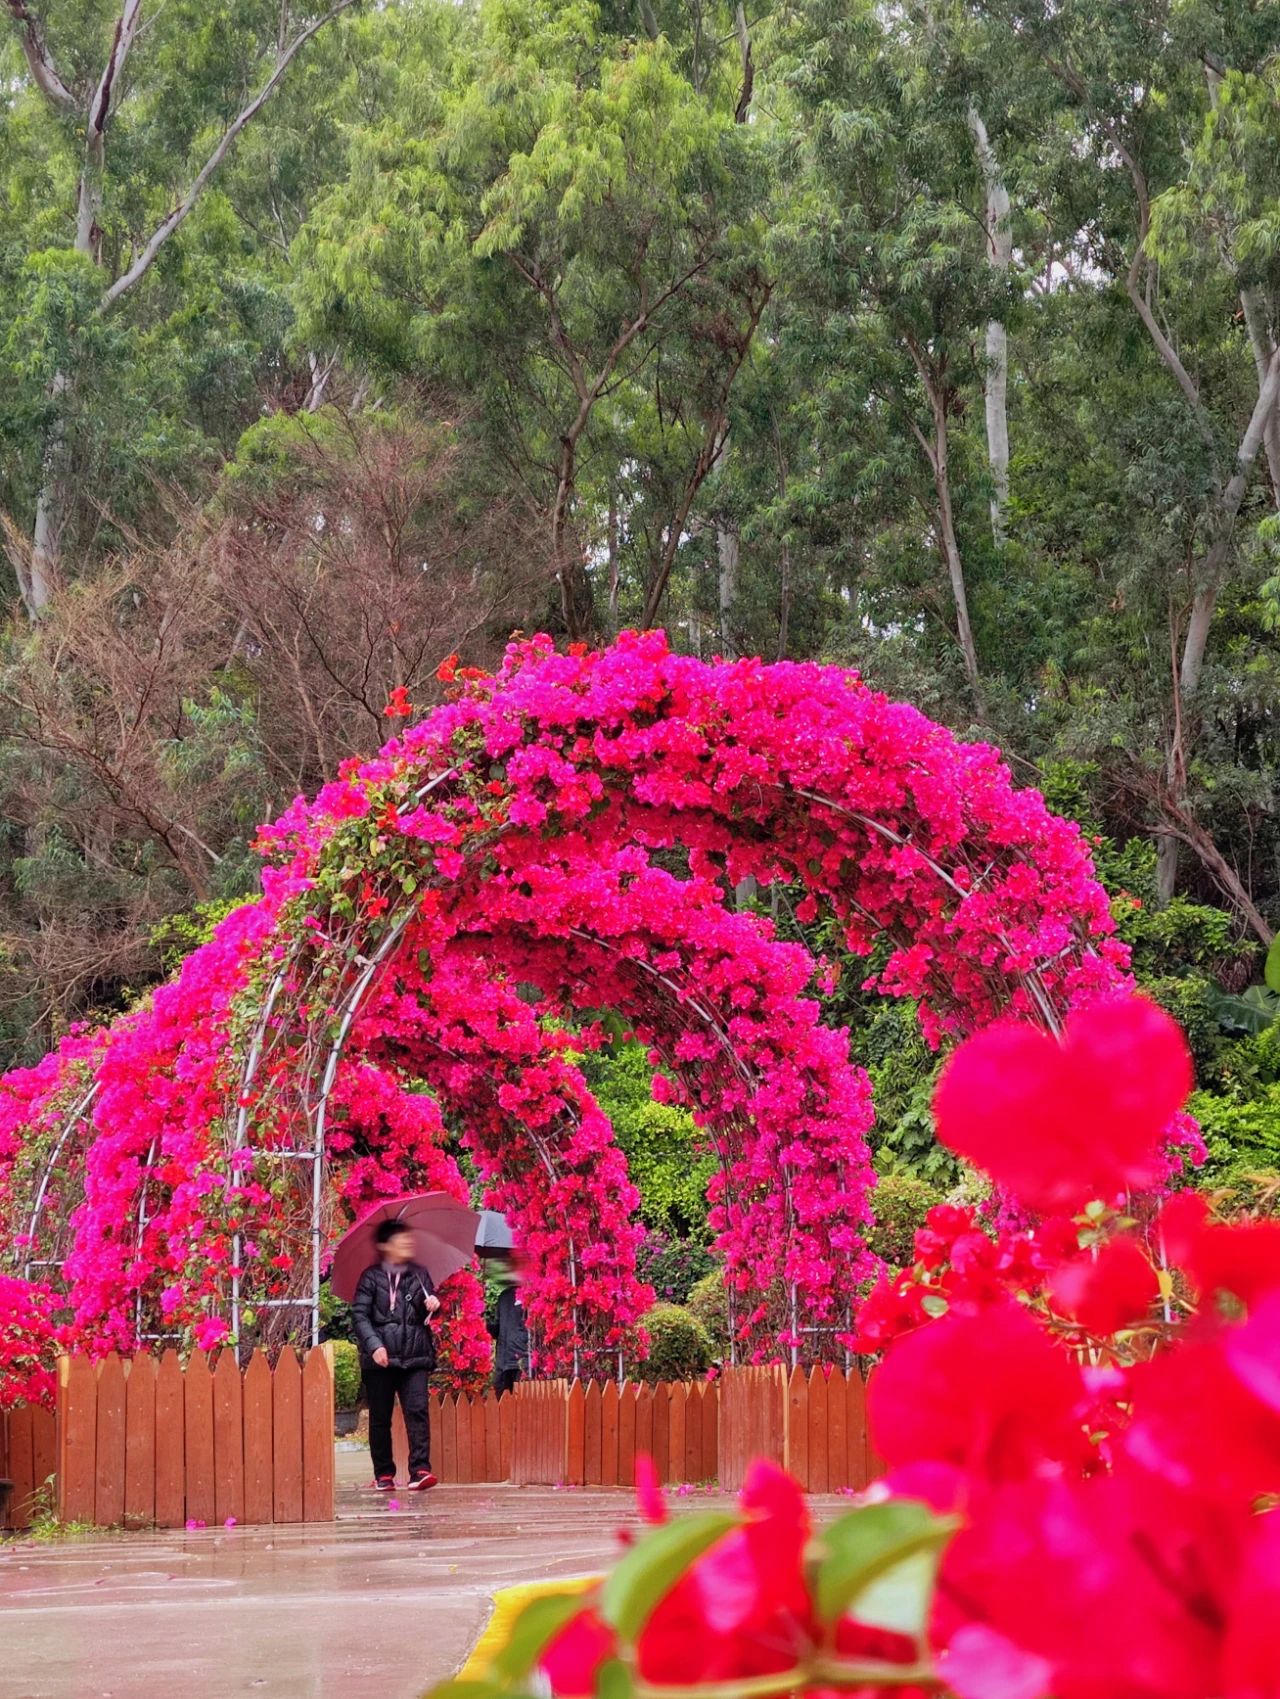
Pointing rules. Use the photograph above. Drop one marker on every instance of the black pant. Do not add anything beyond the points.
(382, 1386)
(504, 1380)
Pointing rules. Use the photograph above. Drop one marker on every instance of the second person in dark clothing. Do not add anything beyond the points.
(393, 1306)
(511, 1339)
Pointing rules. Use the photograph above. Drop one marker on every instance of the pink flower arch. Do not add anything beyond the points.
(438, 932)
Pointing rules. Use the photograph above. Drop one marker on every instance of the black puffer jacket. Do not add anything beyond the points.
(404, 1331)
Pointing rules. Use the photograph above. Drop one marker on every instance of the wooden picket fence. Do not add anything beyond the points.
(145, 1441)
(812, 1422)
(471, 1438)
(28, 1458)
(589, 1434)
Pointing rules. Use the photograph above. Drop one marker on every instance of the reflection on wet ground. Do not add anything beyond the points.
(382, 1603)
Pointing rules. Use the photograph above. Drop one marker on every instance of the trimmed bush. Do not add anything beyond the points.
(673, 1267)
(900, 1202)
(346, 1374)
(679, 1346)
(709, 1305)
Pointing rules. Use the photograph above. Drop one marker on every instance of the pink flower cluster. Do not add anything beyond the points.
(559, 839)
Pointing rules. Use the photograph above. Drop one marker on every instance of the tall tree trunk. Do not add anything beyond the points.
(1209, 578)
(52, 497)
(784, 596)
(728, 548)
(937, 452)
(1253, 306)
(995, 383)
(955, 568)
(614, 563)
(577, 601)
(1263, 346)
(50, 516)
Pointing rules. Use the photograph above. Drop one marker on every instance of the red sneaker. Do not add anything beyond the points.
(385, 1484)
(420, 1480)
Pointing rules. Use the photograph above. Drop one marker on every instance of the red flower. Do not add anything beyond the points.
(571, 1661)
(1109, 1291)
(743, 1609)
(398, 705)
(447, 670)
(1242, 1260)
(1202, 1427)
(990, 1393)
(1059, 1123)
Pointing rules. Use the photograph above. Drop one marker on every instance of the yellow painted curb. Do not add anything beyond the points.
(507, 1606)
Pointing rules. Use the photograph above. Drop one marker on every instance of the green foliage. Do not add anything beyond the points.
(673, 1267)
(1241, 1136)
(660, 1142)
(346, 1374)
(680, 1348)
(879, 1565)
(335, 1316)
(901, 1202)
(708, 1304)
(179, 934)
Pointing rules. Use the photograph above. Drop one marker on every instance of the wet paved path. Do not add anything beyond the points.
(377, 1606)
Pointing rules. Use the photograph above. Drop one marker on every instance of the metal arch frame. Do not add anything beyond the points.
(73, 1120)
(315, 1109)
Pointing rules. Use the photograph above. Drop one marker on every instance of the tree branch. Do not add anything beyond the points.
(743, 108)
(36, 53)
(89, 201)
(146, 259)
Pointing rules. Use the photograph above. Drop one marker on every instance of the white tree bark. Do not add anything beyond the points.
(995, 383)
(728, 549)
(43, 574)
(1210, 576)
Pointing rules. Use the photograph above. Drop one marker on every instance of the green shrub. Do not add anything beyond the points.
(346, 1374)
(709, 1305)
(679, 1346)
(1240, 1137)
(660, 1141)
(673, 1267)
(900, 1202)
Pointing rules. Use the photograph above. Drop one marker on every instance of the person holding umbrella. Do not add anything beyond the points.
(510, 1335)
(395, 1299)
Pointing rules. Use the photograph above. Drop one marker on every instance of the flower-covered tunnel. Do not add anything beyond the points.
(445, 930)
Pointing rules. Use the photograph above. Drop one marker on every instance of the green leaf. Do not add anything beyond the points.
(650, 1569)
(614, 1680)
(532, 1632)
(1271, 973)
(900, 1599)
(465, 1690)
(1252, 1012)
(882, 1560)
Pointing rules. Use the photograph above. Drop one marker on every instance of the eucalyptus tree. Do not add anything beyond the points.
(117, 119)
(885, 226)
(1164, 108)
(565, 225)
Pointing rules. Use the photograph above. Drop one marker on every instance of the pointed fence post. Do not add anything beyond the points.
(202, 1504)
(77, 1439)
(819, 1475)
(228, 1439)
(317, 1435)
(171, 1430)
(259, 1442)
(286, 1437)
(140, 1443)
(837, 1441)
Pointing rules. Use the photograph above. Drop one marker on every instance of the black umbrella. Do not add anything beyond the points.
(493, 1236)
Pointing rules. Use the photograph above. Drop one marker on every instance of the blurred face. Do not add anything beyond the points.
(399, 1248)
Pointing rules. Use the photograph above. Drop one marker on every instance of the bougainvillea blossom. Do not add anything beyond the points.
(571, 828)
